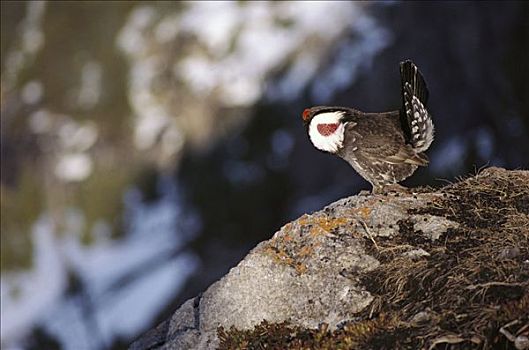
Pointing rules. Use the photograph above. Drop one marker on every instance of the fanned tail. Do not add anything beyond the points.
(416, 121)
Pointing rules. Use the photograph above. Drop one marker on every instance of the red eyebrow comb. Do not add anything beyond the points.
(306, 114)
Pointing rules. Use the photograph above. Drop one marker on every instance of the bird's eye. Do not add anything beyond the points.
(306, 114)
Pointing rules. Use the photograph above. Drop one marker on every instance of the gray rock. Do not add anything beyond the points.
(432, 226)
(306, 273)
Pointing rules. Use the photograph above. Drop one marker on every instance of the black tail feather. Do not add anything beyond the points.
(415, 119)
(410, 74)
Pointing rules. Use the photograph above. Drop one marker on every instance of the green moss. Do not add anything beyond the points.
(350, 335)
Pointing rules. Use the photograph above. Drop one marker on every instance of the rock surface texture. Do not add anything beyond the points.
(446, 268)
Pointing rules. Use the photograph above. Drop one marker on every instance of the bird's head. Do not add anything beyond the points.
(326, 126)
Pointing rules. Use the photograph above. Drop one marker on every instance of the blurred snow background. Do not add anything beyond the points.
(146, 147)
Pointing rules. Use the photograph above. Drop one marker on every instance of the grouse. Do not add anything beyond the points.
(384, 148)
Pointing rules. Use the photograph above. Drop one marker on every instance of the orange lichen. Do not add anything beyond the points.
(305, 251)
(364, 212)
(304, 220)
(330, 224)
(282, 256)
(300, 268)
(287, 237)
(284, 248)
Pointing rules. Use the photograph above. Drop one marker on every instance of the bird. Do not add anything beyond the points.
(384, 148)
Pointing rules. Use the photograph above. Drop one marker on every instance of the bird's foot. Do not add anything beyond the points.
(392, 188)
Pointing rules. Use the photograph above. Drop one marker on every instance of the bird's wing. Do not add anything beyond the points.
(379, 139)
(415, 119)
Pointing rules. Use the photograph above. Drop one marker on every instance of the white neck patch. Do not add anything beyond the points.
(331, 140)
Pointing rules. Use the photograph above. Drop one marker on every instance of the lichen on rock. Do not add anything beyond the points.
(434, 269)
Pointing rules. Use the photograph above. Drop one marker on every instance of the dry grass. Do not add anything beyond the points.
(476, 278)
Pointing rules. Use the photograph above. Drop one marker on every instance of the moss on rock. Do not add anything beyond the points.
(465, 290)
